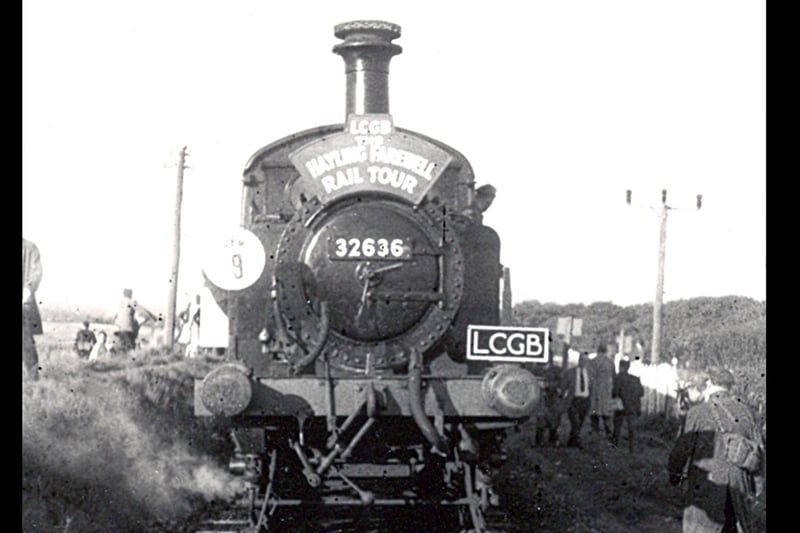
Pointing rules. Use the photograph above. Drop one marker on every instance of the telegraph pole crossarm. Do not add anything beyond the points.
(662, 247)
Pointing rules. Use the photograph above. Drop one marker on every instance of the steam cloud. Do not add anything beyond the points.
(99, 449)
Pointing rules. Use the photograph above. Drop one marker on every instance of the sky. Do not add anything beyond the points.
(562, 106)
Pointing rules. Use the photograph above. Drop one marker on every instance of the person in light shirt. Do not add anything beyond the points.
(127, 323)
(99, 349)
(576, 393)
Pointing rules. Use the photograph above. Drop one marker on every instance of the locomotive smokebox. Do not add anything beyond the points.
(367, 50)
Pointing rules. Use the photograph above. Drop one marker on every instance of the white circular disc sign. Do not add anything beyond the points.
(235, 260)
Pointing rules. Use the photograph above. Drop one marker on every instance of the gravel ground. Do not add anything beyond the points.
(596, 488)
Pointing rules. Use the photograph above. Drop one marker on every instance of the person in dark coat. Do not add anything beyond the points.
(31, 318)
(601, 372)
(575, 385)
(84, 341)
(721, 496)
(550, 418)
(629, 389)
(483, 198)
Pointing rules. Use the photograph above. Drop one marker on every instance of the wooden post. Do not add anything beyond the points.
(655, 353)
(567, 340)
(169, 326)
(506, 317)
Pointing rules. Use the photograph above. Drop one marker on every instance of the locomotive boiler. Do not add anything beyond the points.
(366, 364)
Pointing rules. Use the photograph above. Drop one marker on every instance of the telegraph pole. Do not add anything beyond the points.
(663, 209)
(169, 328)
(655, 354)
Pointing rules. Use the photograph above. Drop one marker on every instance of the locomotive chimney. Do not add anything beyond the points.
(367, 50)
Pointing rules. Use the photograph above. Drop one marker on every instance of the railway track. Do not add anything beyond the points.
(379, 519)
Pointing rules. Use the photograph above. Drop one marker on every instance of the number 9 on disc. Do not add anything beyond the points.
(234, 260)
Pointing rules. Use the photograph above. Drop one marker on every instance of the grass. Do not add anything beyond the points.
(114, 447)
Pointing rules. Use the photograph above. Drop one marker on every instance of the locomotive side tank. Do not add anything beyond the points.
(365, 362)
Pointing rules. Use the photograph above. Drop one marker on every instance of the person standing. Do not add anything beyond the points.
(550, 418)
(31, 318)
(84, 341)
(602, 376)
(127, 323)
(575, 385)
(721, 487)
(99, 349)
(192, 348)
(689, 395)
(188, 332)
(483, 198)
(629, 389)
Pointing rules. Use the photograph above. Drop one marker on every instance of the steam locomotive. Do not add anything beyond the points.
(366, 364)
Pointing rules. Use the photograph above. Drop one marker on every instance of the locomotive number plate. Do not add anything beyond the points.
(376, 248)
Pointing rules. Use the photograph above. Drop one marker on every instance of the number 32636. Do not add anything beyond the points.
(369, 247)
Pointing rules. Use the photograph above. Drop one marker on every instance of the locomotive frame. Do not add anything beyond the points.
(348, 381)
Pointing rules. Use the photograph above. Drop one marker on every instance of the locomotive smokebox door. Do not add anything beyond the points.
(390, 274)
(371, 259)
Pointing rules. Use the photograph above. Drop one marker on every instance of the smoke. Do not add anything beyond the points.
(215, 484)
(170, 480)
(99, 447)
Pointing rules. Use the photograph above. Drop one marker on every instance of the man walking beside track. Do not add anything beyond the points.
(31, 319)
(721, 458)
(629, 389)
(549, 420)
(576, 393)
(601, 372)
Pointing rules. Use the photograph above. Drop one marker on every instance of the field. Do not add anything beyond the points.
(59, 336)
(113, 447)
